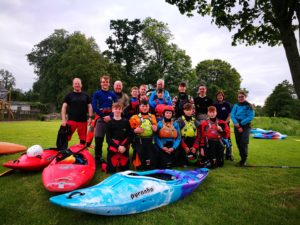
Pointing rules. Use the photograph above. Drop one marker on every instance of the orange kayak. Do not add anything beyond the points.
(11, 148)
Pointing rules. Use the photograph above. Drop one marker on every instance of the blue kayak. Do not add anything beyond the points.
(132, 192)
(259, 131)
(270, 135)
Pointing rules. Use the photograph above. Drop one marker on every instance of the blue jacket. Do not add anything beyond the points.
(242, 113)
(102, 102)
(153, 97)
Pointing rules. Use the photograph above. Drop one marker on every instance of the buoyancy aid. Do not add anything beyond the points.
(146, 124)
(211, 130)
(168, 130)
(189, 129)
(133, 106)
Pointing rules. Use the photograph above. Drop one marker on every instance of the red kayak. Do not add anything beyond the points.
(37, 163)
(63, 176)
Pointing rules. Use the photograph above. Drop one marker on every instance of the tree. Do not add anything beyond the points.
(61, 57)
(165, 59)
(218, 75)
(7, 79)
(271, 22)
(281, 102)
(125, 47)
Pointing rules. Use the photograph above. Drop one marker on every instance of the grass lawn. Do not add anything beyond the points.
(229, 195)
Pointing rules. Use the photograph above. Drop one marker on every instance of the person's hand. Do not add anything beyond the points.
(121, 149)
(202, 153)
(240, 130)
(106, 118)
(138, 130)
(63, 123)
(219, 128)
(187, 150)
(165, 149)
(89, 121)
(154, 128)
(193, 150)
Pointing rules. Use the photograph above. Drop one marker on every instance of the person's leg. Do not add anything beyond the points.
(82, 130)
(244, 144)
(72, 124)
(100, 131)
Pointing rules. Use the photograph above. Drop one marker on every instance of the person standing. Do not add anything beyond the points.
(160, 85)
(181, 99)
(202, 102)
(118, 138)
(242, 114)
(77, 105)
(102, 105)
(223, 113)
(122, 96)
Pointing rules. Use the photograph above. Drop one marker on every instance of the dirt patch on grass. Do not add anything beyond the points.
(290, 198)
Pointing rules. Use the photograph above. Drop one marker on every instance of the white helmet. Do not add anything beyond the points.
(34, 150)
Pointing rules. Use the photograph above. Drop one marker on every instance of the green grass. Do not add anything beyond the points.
(229, 195)
(283, 125)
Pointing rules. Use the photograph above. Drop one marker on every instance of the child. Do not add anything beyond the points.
(132, 108)
(118, 138)
(212, 131)
(159, 104)
(187, 151)
(143, 125)
(167, 138)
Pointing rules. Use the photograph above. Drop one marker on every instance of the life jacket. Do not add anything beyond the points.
(133, 107)
(168, 130)
(211, 130)
(189, 129)
(146, 124)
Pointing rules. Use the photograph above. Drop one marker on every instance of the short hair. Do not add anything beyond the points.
(118, 81)
(220, 92)
(134, 88)
(117, 104)
(188, 106)
(105, 77)
(161, 80)
(242, 92)
(211, 109)
(160, 90)
(144, 102)
(143, 85)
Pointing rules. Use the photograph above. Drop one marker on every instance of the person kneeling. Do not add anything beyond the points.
(118, 138)
(167, 138)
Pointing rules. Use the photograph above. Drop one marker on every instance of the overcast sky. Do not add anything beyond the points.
(25, 23)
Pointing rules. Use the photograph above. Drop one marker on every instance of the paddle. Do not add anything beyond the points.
(283, 167)
(9, 171)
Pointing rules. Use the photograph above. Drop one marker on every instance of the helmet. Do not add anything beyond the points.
(168, 108)
(34, 150)
(192, 158)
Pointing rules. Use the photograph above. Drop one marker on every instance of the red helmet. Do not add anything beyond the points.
(168, 108)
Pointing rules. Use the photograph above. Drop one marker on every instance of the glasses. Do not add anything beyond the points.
(242, 96)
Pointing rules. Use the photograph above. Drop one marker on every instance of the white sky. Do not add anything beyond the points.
(25, 23)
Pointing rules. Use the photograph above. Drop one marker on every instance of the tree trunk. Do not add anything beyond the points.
(288, 40)
(293, 57)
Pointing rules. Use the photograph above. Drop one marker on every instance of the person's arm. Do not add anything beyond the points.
(90, 112)
(250, 116)
(64, 114)
(233, 116)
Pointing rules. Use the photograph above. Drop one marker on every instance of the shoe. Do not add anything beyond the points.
(240, 164)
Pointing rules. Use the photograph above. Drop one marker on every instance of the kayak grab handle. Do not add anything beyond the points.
(75, 193)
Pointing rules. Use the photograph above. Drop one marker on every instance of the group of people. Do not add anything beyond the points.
(164, 132)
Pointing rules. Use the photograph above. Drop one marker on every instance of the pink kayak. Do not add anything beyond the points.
(63, 176)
